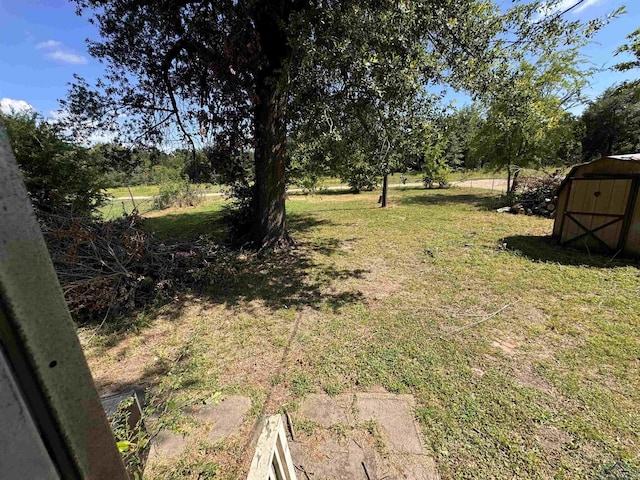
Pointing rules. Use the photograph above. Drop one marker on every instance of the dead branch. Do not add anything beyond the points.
(488, 317)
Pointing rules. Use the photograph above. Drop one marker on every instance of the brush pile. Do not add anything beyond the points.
(535, 196)
(109, 268)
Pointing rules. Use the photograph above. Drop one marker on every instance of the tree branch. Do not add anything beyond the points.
(166, 65)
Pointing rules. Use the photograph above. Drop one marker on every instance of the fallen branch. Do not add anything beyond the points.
(488, 317)
(366, 472)
(95, 332)
(302, 469)
(114, 267)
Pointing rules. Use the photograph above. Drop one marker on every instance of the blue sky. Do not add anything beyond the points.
(42, 44)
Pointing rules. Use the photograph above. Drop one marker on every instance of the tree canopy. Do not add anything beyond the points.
(243, 75)
(612, 123)
(633, 48)
(60, 176)
(526, 123)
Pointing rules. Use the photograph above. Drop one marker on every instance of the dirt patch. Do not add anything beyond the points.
(508, 346)
(499, 184)
(552, 439)
(526, 376)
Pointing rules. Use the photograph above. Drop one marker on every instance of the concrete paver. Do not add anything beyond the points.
(225, 417)
(167, 445)
(394, 414)
(328, 410)
(396, 453)
(330, 453)
(220, 421)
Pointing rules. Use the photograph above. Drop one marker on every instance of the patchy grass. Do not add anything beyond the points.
(151, 190)
(547, 387)
(116, 208)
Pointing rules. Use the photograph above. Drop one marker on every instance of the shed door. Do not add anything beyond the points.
(595, 213)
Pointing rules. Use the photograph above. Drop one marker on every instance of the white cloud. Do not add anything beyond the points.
(55, 50)
(9, 105)
(49, 44)
(101, 136)
(66, 57)
(552, 8)
(57, 115)
(587, 4)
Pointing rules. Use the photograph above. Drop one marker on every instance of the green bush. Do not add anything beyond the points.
(435, 173)
(178, 193)
(60, 176)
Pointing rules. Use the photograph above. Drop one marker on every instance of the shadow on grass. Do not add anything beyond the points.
(487, 201)
(294, 278)
(350, 191)
(547, 249)
(288, 279)
(291, 279)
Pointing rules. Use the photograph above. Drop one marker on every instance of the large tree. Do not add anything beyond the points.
(238, 74)
(612, 123)
(527, 123)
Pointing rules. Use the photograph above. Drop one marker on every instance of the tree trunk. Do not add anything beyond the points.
(384, 189)
(270, 156)
(270, 123)
(508, 177)
(514, 180)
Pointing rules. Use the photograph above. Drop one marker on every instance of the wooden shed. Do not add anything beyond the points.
(598, 207)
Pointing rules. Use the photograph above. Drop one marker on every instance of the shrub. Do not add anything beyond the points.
(59, 175)
(435, 173)
(177, 194)
(240, 213)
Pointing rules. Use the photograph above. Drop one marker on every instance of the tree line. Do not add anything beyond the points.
(264, 94)
(63, 175)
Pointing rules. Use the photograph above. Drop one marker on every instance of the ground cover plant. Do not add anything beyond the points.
(524, 358)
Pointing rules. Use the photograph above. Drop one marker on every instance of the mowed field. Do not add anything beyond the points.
(524, 358)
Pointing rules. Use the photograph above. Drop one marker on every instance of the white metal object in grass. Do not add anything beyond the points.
(272, 458)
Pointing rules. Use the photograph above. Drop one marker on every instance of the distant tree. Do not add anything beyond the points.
(633, 48)
(458, 130)
(60, 177)
(238, 74)
(363, 141)
(612, 123)
(526, 122)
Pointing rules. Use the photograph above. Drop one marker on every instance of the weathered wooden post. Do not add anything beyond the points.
(52, 424)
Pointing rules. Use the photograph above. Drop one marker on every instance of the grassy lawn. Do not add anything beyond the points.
(524, 358)
(150, 190)
(395, 179)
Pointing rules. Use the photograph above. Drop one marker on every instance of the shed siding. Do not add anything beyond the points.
(594, 202)
(560, 208)
(633, 237)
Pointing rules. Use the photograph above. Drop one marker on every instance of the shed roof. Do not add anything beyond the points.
(629, 157)
(635, 157)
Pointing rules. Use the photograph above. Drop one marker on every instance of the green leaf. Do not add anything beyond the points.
(125, 446)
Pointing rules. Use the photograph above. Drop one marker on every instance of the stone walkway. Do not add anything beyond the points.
(350, 436)
(360, 436)
(220, 421)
